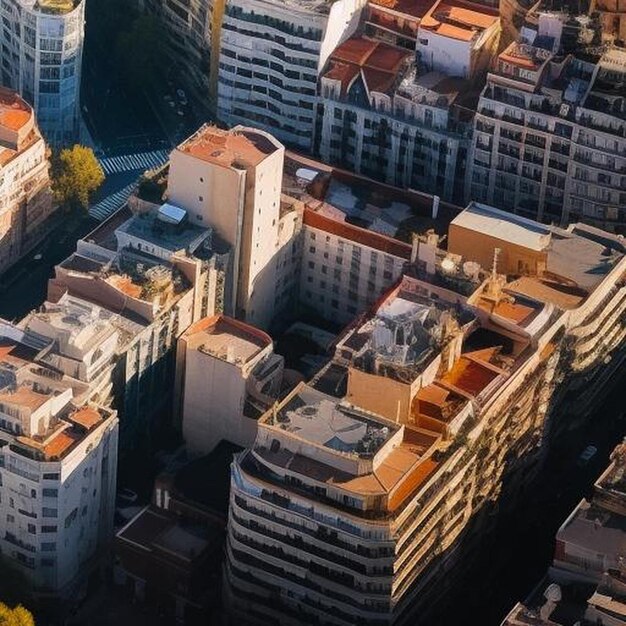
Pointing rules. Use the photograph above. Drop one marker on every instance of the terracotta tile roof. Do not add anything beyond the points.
(60, 444)
(359, 235)
(459, 20)
(86, 417)
(378, 62)
(14, 112)
(414, 8)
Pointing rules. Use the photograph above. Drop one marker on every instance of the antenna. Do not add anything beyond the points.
(494, 269)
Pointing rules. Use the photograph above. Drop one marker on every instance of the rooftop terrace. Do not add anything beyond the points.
(238, 148)
(226, 339)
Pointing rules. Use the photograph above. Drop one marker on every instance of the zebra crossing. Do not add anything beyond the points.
(134, 162)
(105, 208)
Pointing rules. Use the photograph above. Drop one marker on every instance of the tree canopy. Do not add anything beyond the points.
(76, 174)
(19, 616)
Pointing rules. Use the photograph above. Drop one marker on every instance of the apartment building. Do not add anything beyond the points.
(549, 134)
(42, 47)
(381, 116)
(356, 507)
(58, 462)
(25, 197)
(132, 287)
(586, 583)
(231, 181)
(271, 54)
(345, 268)
(613, 20)
(189, 27)
(229, 376)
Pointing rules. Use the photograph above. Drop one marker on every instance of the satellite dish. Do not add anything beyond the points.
(448, 265)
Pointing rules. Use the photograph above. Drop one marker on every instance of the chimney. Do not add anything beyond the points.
(415, 245)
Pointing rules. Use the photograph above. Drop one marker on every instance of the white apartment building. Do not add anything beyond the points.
(271, 54)
(229, 376)
(550, 136)
(25, 195)
(58, 462)
(345, 269)
(231, 181)
(41, 56)
(382, 117)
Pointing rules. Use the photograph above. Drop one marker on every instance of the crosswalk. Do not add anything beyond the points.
(134, 162)
(105, 208)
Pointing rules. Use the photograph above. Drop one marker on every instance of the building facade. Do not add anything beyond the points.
(42, 47)
(25, 195)
(57, 475)
(549, 137)
(271, 54)
(355, 507)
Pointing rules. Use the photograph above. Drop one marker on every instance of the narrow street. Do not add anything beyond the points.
(514, 558)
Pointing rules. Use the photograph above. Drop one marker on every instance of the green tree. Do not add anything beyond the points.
(76, 174)
(19, 616)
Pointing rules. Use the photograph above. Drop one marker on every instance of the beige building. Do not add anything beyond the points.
(25, 196)
(231, 181)
(228, 376)
(356, 505)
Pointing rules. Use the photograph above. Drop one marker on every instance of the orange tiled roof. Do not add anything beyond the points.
(459, 20)
(14, 112)
(414, 8)
(60, 444)
(86, 417)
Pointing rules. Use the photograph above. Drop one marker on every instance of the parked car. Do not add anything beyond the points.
(587, 454)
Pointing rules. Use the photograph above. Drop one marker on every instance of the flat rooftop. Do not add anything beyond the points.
(238, 148)
(503, 225)
(346, 197)
(227, 339)
(152, 228)
(324, 421)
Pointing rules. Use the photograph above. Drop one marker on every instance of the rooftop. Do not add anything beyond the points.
(238, 148)
(406, 332)
(15, 113)
(227, 339)
(503, 225)
(413, 8)
(157, 228)
(322, 420)
(459, 20)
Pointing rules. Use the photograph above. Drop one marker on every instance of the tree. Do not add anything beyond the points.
(76, 174)
(19, 616)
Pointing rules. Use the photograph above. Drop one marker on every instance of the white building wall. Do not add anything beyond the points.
(341, 278)
(42, 60)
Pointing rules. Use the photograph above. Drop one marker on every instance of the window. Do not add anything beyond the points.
(50, 493)
(334, 304)
(48, 546)
(32, 529)
(324, 269)
(48, 529)
(311, 265)
(200, 199)
(46, 512)
(53, 476)
(312, 249)
(47, 562)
